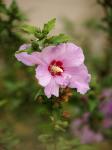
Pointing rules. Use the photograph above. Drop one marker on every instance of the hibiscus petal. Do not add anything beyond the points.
(73, 55)
(28, 59)
(43, 75)
(63, 80)
(53, 53)
(80, 78)
(47, 54)
(24, 46)
(81, 87)
(52, 89)
(68, 53)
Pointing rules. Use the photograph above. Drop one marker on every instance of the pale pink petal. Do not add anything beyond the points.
(81, 87)
(48, 54)
(52, 89)
(73, 55)
(43, 75)
(53, 53)
(24, 46)
(63, 80)
(69, 54)
(80, 78)
(28, 59)
(38, 58)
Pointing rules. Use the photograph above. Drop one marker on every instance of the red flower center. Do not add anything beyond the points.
(56, 68)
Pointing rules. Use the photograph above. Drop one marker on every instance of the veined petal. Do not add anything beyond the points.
(28, 59)
(68, 53)
(53, 53)
(63, 80)
(43, 75)
(73, 55)
(80, 78)
(48, 54)
(52, 89)
(81, 87)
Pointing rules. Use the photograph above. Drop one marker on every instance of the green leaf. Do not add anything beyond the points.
(39, 35)
(49, 26)
(30, 29)
(61, 38)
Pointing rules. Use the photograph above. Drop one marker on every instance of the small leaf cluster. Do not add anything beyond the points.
(42, 38)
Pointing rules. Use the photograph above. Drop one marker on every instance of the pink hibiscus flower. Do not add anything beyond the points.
(58, 66)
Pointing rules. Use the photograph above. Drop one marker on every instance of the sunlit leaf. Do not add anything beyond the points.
(49, 26)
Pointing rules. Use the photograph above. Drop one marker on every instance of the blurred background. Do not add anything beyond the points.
(39, 11)
(85, 122)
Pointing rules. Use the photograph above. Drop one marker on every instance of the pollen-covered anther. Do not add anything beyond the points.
(56, 69)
